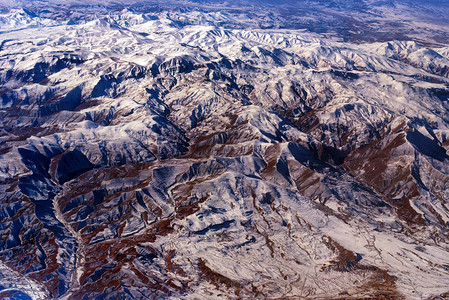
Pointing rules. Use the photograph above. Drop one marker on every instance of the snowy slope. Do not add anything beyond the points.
(147, 155)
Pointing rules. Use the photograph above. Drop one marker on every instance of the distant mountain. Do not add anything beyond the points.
(349, 21)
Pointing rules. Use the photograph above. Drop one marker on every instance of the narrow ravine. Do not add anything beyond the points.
(78, 268)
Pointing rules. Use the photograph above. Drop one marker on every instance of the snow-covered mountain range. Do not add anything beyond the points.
(199, 150)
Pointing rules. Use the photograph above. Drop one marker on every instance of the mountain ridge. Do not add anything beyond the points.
(142, 157)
